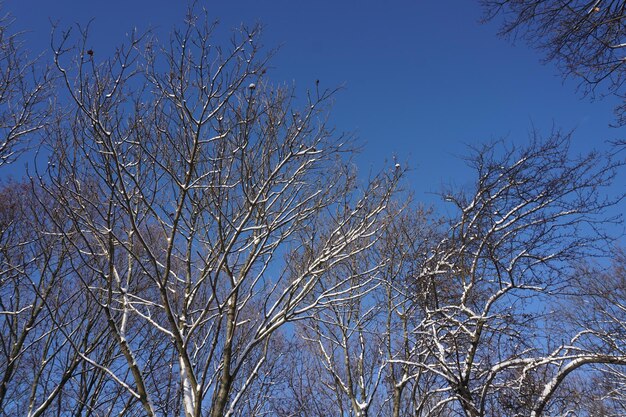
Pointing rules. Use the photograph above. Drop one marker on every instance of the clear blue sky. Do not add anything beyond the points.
(421, 78)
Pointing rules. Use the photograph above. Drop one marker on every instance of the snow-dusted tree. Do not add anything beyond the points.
(24, 90)
(206, 212)
(597, 308)
(345, 339)
(43, 316)
(361, 351)
(531, 212)
(405, 245)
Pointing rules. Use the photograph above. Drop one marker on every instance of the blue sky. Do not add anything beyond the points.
(421, 79)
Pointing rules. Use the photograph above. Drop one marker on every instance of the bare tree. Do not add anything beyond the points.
(585, 38)
(24, 92)
(43, 316)
(364, 351)
(345, 339)
(405, 245)
(206, 211)
(597, 307)
(530, 213)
